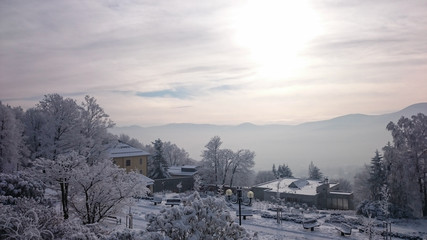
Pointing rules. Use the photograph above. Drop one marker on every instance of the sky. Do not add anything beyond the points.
(220, 62)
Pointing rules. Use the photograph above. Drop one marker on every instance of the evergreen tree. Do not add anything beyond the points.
(275, 171)
(377, 177)
(159, 164)
(314, 172)
(283, 171)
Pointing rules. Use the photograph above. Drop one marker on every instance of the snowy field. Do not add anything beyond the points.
(268, 228)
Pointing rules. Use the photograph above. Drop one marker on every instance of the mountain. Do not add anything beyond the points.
(337, 146)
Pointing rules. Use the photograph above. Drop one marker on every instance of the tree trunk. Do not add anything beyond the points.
(64, 198)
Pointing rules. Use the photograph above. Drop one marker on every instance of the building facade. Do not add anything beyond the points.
(321, 194)
(131, 159)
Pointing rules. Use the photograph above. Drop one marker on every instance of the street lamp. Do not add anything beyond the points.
(239, 198)
(250, 196)
(228, 192)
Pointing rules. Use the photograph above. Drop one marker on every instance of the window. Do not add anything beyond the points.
(140, 161)
(128, 162)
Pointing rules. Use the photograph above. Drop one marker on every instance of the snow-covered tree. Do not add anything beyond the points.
(30, 220)
(211, 160)
(134, 142)
(176, 156)
(406, 159)
(377, 176)
(61, 132)
(34, 121)
(95, 123)
(361, 185)
(102, 189)
(344, 184)
(264, 176)
(197, 218)
(274, 170)
(60, 171)
(242, 164)
(20, 185)
(283, 171)
(158, 167)
(11, 140)
(314, 172)
(226, 159)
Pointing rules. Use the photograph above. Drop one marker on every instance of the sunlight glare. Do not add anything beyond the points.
(275, 32)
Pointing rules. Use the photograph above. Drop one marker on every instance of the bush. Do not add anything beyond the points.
(373, 209)
(19, 185)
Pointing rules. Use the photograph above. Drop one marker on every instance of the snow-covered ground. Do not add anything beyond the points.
(268, 228)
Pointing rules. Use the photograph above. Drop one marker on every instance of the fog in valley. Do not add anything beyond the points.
(339, 146)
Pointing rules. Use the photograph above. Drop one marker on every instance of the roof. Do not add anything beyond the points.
(124, 150)
(186, 170)
(147, 179)
(293, 185)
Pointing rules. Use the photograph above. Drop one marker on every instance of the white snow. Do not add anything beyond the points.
(267, 228)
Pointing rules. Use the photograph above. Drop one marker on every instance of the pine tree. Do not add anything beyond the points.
(377, 177)
(283, 171)
(314, 172)
(275, 171)
(160, 165)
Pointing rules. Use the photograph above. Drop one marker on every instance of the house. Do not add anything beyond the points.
(131, 159)
(181, 179)
(321, 194)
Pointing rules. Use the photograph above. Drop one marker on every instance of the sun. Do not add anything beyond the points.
(276, 32)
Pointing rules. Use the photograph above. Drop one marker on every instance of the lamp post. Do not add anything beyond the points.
(228, 192)
(250, 196)
(239, 198)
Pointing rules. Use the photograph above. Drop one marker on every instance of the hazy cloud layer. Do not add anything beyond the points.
(156, 62)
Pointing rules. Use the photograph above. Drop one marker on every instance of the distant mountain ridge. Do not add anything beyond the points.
(336, 145)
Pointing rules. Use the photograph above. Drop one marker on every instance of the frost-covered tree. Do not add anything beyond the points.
(20, 185)
(314, 172)
(242, 164)
(197, 218)
(274, 170)
(11, 140)
(264, 176)
(176, 156)
(226, 160)
(30, 220)
(95, 123)
(158, 166)
(60, 172)
(377, 176)
(361, 185)
(211, 160)
(344, 184)
(62, 130)
(34, 121)
(102, 189)
(406, 160)
(134, 143)
(283, 171)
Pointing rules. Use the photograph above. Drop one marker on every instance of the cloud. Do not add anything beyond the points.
(180, 93)
(149, 61)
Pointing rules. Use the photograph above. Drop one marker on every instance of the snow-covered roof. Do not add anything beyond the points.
(124, 150)
(293, 185)
(186, 170)
(147, 179)
(341, 193)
